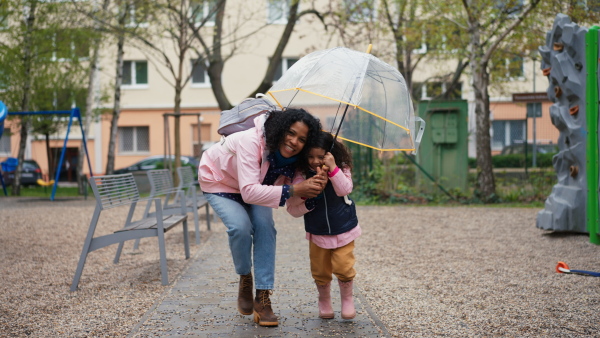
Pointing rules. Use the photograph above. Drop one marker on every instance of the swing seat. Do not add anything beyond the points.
(45, 183)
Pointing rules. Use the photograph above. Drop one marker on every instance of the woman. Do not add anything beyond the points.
(246, 175)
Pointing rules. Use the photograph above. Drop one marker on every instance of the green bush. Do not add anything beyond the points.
(517, 161)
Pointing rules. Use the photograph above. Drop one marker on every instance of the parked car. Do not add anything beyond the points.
(519, 148)
(29, 176)
(156, 162)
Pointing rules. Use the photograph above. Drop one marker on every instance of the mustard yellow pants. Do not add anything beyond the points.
(338, 261)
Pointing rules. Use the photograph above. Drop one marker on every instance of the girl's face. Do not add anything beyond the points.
(316, 158)
(294, 140)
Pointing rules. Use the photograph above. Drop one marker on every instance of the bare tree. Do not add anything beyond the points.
(90, 98)
(488, 23)
(274, 61)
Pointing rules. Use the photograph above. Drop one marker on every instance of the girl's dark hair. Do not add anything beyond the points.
(279, 122)
(324, 140)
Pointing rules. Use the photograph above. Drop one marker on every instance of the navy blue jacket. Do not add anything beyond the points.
(331, 215)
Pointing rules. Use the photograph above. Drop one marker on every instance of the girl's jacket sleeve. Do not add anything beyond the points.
(296, 205)
(342, 182)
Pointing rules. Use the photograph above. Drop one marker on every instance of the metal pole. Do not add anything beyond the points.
(591, 115)
(535, 106)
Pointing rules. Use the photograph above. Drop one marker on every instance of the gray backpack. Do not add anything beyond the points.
(241, 117)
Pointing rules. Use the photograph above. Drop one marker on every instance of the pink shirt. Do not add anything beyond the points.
(342, 184)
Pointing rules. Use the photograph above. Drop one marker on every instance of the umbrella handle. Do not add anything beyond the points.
(590, 273)
(419, 133)
(562, 267)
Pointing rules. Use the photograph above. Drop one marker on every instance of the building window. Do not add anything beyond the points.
(199, 74)
(510, 8)
(360, 10)
(508, 68)
(5, 145)
(71, 44)
(278, 11)
(591, 5)
(434, 90)
(514, 68)
(134, 139)
(284, 65)
(135, 73)
(137, 14)
(204, 10)
(4, 12)
(507, 132)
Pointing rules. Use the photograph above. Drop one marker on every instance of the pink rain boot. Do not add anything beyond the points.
(325, 310)
(348, 311)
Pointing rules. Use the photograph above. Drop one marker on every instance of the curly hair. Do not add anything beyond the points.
(279, 122)
(324, 140)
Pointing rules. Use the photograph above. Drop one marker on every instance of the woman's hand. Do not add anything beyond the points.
(313, 186)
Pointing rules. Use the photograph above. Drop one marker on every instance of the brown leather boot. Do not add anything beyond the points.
(245, 303)
(263, 314)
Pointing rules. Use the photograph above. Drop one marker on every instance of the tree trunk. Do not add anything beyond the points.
(485, 174)
(27, 63)
(114, 122)
(177, 132)
(89, 107)
(215, 66)
(267, 81)
(50, 157)
(89, 111)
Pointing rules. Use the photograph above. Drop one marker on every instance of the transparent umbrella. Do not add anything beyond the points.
(358, 98)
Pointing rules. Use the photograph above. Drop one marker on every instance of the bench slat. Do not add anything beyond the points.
(151, 223)
(115, 190)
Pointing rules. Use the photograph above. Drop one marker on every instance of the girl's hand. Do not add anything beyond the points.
(329, 161)
(321, 177)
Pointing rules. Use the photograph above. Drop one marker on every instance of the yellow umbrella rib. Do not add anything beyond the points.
(336, 100)
(368, 146)
(276, 101)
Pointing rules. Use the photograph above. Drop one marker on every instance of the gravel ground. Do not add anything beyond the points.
(425, 271)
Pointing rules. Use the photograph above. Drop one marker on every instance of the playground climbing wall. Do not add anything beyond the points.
(563, 62)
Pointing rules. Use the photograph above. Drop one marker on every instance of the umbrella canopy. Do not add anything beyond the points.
(358, 97)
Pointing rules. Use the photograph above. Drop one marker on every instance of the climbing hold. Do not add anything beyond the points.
(574, 110)
(558, 46)
(573, 170)
(546, 71)
(557, 91)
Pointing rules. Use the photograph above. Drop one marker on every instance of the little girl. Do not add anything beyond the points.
(330, 222)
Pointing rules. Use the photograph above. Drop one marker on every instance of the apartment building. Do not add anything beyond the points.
(148, 97)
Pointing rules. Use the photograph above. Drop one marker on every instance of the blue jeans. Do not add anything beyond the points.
(252, 238)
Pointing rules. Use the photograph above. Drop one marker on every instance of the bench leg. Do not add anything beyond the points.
(207, 217)
(79, 270)
(136, 244)
(163, 257)
(186, 239)
(196, 224)
(86, 249)
(119, 250)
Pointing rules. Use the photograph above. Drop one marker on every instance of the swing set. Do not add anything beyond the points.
(73, 113)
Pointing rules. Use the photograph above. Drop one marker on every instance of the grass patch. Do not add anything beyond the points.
(36, 191)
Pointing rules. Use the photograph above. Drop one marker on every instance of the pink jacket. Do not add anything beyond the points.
(238, 164)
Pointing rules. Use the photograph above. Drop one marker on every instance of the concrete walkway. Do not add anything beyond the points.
(202, 301)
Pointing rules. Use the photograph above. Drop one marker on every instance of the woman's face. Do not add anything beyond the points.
(294, 140)
(316, 158)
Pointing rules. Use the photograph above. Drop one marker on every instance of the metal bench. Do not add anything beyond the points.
(175, 198)
(113, 191)
(187, 182)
